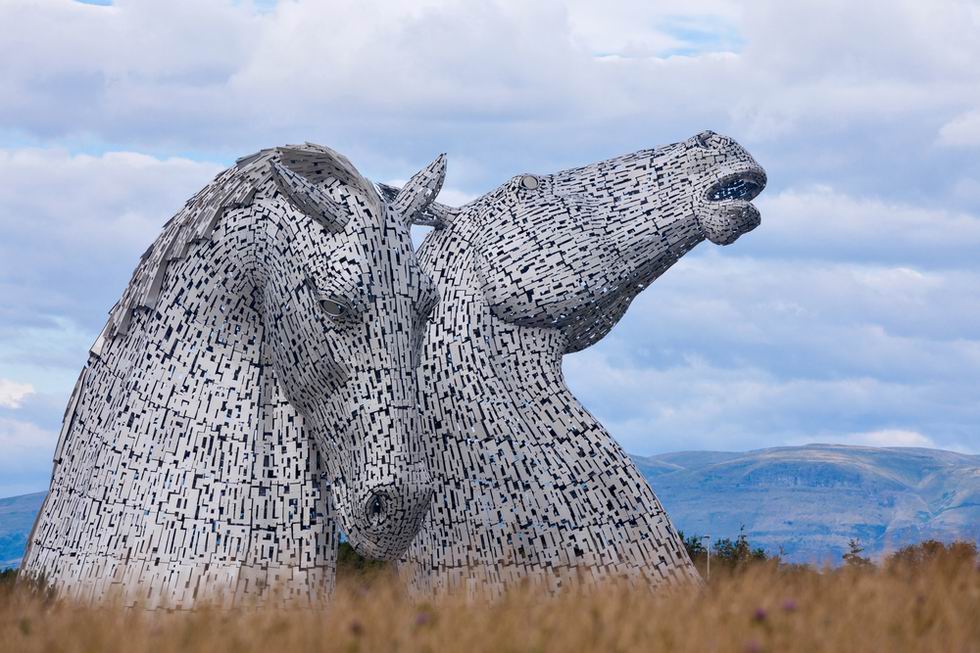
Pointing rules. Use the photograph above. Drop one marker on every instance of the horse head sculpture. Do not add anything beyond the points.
(529, 485)
(343, 329)
(254, 385)
(571, 250)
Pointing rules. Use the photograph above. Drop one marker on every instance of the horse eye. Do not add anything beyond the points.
(333, 308)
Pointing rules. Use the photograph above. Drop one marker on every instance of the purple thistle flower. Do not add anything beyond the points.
(759, 615)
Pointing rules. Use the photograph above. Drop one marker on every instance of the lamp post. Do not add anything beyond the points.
(708, 570)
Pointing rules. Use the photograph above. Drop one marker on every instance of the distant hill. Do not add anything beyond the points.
(16, 519)
(806, 502)
(809, 501)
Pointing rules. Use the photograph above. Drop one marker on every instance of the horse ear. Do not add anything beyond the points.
(309, 199)
(418, 194)
(435, 215)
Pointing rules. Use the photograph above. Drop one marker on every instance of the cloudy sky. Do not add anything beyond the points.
(851, 315)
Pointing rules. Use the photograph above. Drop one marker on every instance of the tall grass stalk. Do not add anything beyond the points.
(930, 605)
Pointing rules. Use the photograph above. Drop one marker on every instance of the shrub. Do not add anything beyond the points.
(350, 563)
(932, 553)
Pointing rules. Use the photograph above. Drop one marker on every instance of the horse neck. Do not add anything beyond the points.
(469, 352)
(200, 361)
(198, 351)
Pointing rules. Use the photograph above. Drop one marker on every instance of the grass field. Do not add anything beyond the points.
(910, 605)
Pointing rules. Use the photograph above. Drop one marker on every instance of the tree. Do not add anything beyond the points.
(932, 552)
(738, 553)
(694, 545)
(853, 557)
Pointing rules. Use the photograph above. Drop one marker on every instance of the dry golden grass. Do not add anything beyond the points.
(929, 607)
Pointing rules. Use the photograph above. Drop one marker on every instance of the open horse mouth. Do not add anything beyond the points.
(726, 212)
(744, 186)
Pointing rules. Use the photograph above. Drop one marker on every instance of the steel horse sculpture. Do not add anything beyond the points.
(528, 484)
(252, 390)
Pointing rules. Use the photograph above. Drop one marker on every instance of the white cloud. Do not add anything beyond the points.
(891, 438)
(12, 394)
(803, 305)
(961, 131)
(188, 72)
(25, 456)
(696, 405)
(18, 435)
(46, 355)
(823, 222)
(114, 200)
(825, 219)
(728, 352)
(885, 437)
(967, 189)
(647, 29)
(75, 225)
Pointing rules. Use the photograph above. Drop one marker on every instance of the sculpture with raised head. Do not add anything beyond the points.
(528, 484)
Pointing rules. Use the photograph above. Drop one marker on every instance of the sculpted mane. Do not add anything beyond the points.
(233, 188)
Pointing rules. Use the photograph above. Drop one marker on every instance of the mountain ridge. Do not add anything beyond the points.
(16, 520)
(805, 502)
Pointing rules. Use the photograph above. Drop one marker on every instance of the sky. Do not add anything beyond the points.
(851, 315)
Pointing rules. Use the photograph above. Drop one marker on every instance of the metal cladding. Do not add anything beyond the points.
(252, 391)
(528, 485)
